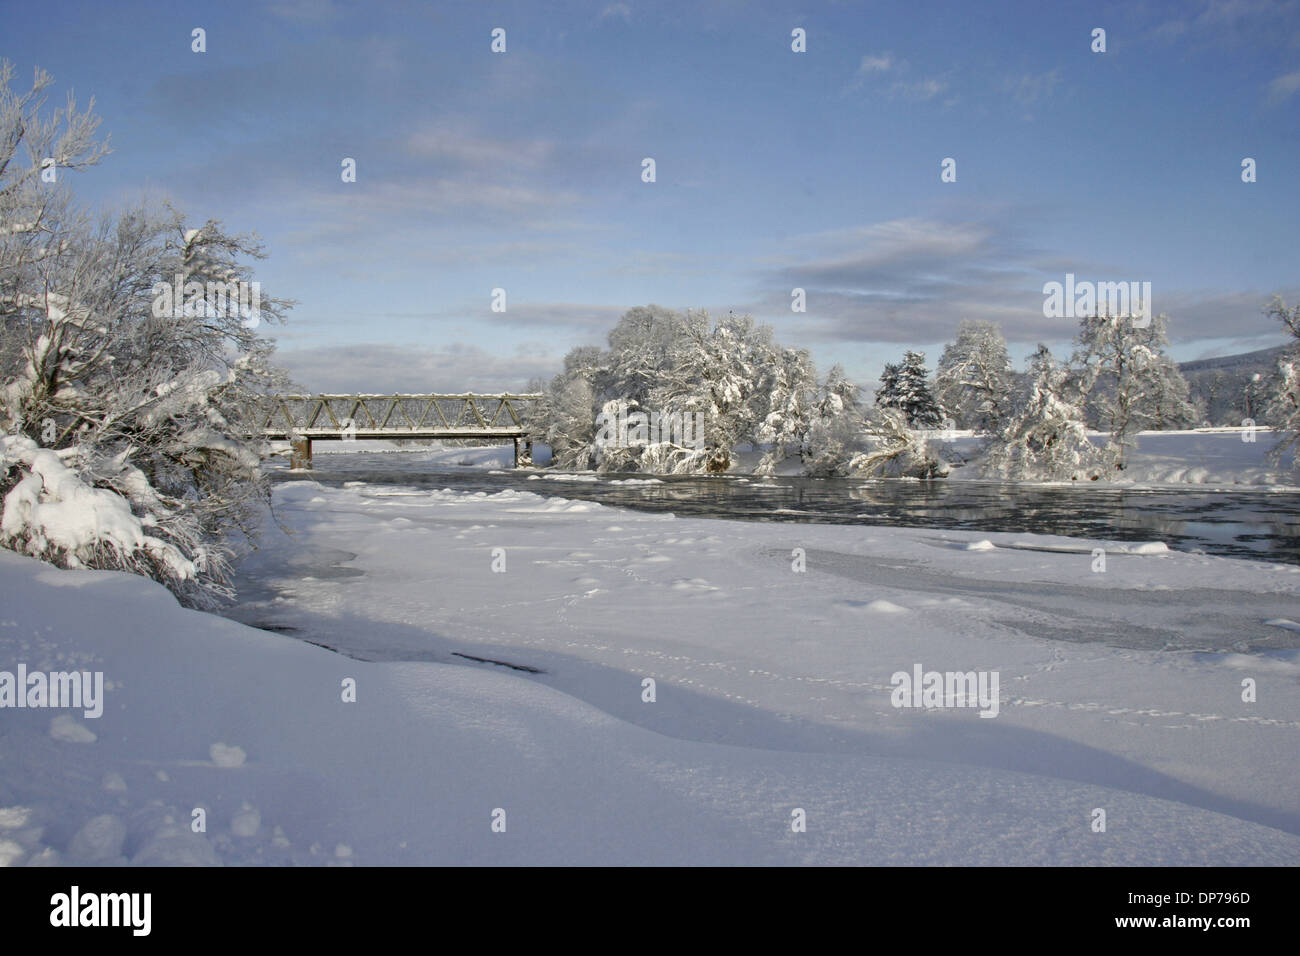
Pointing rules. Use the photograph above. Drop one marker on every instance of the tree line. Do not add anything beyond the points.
(752, 390)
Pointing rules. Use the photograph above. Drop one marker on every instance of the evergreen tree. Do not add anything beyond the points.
(913, 395)
(887, 393)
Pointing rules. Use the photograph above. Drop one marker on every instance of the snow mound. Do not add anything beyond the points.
(52, 513)
(1146, 547)
(1084, 547)
(886, 607)
(1285, 663)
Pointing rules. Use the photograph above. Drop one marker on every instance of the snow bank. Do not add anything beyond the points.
(772, 695)
(1209, 456)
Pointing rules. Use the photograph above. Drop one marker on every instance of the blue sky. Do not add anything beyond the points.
(821, 170)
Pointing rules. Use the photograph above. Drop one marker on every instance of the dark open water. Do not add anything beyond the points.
(1256, 523)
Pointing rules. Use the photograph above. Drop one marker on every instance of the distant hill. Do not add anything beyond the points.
(1227, 388)
(1258, 361)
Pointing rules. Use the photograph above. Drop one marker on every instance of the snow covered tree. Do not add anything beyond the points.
(641, 350)
(1169, 401)
(1284, 406)
(1258, 393)
(907, 387)
(1128, 381)
(974, 381)
(887, 393)
(566, 415)
(791, 407)
(1046, 438)
(130, 431)
(894, 450)
(675, 370)
(836, 431)
(722, 371)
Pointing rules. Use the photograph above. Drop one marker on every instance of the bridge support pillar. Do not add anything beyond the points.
(300, 454)
(526, 458)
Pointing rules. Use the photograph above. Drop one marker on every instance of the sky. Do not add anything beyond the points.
(522, 170)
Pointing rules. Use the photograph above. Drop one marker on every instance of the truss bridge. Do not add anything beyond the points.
(302, 419)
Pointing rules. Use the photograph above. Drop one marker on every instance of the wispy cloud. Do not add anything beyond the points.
(395, 200)
(913, 280)
(877, 67)
(926, 89)
(451, 140)
(876, 63)
(304, 11)
(1232, 22)
(1029, 89)
(1283, 87)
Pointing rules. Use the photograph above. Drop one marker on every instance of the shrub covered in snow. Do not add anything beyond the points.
(895, 450)
(52, 514)
(129, 433)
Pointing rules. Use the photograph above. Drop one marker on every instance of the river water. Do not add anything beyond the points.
(1253, 523)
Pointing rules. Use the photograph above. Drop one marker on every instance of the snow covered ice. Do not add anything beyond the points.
(1119, 690)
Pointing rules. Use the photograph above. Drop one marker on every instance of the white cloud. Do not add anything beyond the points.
(385, 200)
(913, 280)
(1030, 88)
(926, 89)
(1284, 87)
(454, 142)
(1221, 23)
(616, 10)
(876, 63)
